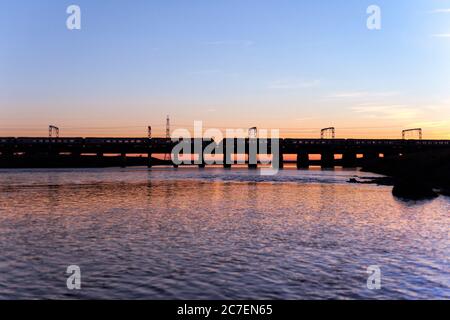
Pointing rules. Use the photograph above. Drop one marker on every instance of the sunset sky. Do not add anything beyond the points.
(294, 65)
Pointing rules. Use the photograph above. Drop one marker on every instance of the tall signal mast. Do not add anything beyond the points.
(168, 127)
(167, 156)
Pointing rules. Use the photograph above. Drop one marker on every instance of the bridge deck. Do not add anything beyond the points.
(74, 142)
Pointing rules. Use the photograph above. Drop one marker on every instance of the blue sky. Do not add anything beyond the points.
(289, 64)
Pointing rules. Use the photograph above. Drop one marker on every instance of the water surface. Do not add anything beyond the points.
(216, 234)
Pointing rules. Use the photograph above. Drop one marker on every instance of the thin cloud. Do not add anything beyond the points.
(443, 10)
(293, 84)
(441, 108)
(304, 119)
(356, 94)
(243, 43)
(430, 124)
(363, 94)
(387, 111)
(206, 72)
(441, 35)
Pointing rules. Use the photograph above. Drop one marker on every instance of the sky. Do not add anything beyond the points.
(292, 65)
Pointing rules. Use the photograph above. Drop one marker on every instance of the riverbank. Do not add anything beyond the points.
(416, 176)
(83, 161)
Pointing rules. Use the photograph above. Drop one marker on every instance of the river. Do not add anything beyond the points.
(217, 234)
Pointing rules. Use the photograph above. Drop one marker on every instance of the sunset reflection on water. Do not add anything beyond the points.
(214, 233)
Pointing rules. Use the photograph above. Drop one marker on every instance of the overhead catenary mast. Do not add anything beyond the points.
(410, 131)
(53, 130)
(328, 132)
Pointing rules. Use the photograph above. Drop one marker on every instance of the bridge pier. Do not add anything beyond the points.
(252, 164)
(174, 159)
(302, 160)
(327, 160)
(349, 160)
(227, 160)
(280, 160)
(371, 156)
(76, 154)
(391, 154)
(7, 154)
(53, 153)
(123, 160)
(149, 160)
(202, 163)
(252, 154)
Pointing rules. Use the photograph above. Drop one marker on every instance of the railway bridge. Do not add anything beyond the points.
(328, 152)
